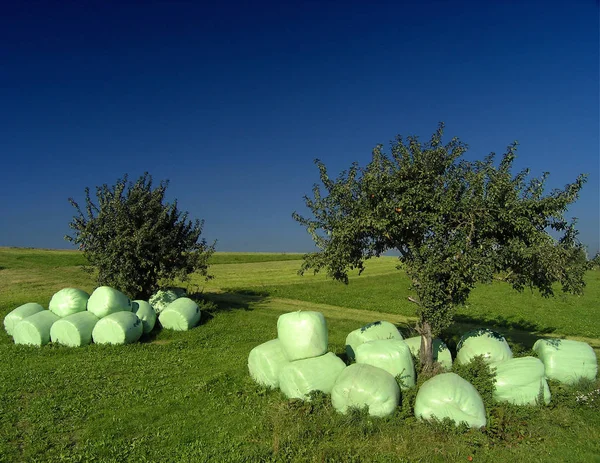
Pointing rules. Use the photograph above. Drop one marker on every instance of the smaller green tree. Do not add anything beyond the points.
(135, 240)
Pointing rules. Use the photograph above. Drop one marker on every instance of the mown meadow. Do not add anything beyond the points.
(187, 396)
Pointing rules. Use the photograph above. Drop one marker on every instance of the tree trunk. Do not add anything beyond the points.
(426, 355)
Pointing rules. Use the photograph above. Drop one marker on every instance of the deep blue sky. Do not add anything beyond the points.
(233, 101)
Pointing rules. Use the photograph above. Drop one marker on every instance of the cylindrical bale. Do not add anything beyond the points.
(566, 360)
(297, 379)
(35, 329)
(391, 355)
(180, 315)
(74, 330)
(118, 328)
(68, 301)
(145, 313)
(302, 334)
(371, 332)
(360, 385)
(487, 343)
(20, 313)
(106, 300)
(265, 363)
(521, 381)
(441, 353)
(449, 396)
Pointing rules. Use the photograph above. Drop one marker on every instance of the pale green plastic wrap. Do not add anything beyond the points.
(441, 353)
(567, 361)
(297, 379)
(162, 298)
(106, 300)
(450, 396)
(68, 301)
(391, 355)
(35, 329)
(118, 328)
(491, 345)
(302, 334)
(180, 315)
(145, 313)
(372, 332)
(20, 313)
(74, 330)
(265, 363)
(520, 381)
(360, 385)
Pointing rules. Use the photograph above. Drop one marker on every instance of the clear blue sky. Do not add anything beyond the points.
(233, 101)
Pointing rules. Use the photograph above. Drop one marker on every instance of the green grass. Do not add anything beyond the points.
(247, 257)
(187, 396)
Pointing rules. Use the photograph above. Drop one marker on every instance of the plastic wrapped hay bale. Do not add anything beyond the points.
(391, 355)
(35, 329)
(118, 328)
(567, 361)
(162, 298)
(297, 379)
(372, 332)
(145, 313)
(180, 315)
(360, 385)
(106, 300)
(302, 334)
(74, 330)
(68, 301)
(520, 381)
(441, 353)
(19, 314)
(491, 345)
(450, 396)
(265, 363)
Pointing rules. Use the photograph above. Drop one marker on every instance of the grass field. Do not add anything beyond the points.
(187, 396)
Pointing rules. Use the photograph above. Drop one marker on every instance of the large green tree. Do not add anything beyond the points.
(455, 223)
(135, 240)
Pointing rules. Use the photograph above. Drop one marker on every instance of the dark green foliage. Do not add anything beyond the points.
(454, 222)
(135, 240)
(480, 375)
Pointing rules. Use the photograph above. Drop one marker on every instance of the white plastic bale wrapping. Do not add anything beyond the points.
(118, 328)
(299, 378)
(106, 301)
(567, 361)
(449, 396)
(391, 355)
(35, 329)
(145, 313)
(520, 381)
(441, 353)
(68, 301)
(74, 330)
(491, 345)
(372, 332)
(180, 315)
(19, 314)
(265, 363)
(302, 334)
(360, 385)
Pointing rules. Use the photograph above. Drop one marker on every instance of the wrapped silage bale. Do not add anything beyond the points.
(19, 314)
(391, 355)
(302, 334)
(180, 315)
(163, 297)
(449, 396)
(68, 301)
(360, 385)
(371, 332)
(106, 300)
(566, 360)
(520, 381)
(491, 345)
(74, 330)
(297, 379)
(145, 313)
(265, 363)
(35, 329)
(118, 328)
(441, 353)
